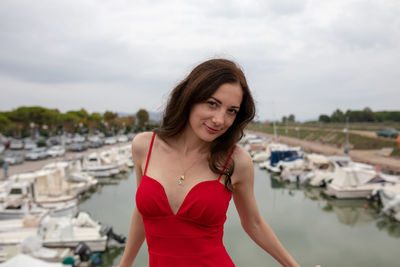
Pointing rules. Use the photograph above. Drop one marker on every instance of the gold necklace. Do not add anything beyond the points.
(181, 178)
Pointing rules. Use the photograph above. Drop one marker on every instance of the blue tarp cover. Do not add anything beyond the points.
(286, 155)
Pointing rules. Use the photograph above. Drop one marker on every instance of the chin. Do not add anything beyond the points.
(207, 137)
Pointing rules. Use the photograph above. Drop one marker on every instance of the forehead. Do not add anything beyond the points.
(229, 93)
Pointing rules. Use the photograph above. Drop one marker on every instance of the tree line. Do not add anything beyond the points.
(23, 121)
(365, 115)
(290, 118)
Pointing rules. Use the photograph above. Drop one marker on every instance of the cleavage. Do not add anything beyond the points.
(176, 194)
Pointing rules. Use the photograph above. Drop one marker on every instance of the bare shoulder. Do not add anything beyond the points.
(242, 158)
(141, 144)
(243, 164)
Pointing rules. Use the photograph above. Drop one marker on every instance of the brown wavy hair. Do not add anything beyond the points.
(197, 87)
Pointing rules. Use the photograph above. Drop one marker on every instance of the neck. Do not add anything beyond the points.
(187, 143)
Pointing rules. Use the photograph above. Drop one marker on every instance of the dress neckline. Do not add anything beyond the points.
(186, 196)
(191, 189)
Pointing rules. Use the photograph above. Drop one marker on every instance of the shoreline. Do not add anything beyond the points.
(364, 156)
(30, 166)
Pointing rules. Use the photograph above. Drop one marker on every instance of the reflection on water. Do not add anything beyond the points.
(312, 226)
(350, 212)
(110, 256)
(389, 225)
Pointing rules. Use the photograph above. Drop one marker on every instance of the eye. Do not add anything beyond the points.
(211, 103)
(232, 111)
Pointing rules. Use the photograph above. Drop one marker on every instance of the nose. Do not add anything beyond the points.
(218, 118)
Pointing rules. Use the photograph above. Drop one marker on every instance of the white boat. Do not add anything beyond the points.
(125, 153)
(78, 181)
(68, 232)
(281, 158)
(260, 156)
(328, 172)
(22, 200)
(254, 145)
(113, 157)
(50, 188)
(302, 170)
(14, 231)
(43, 189)
(19, 202)
(390, 199)
(264, 154)
(246, 136)
(354, 182)
(95, 167)
(23, 260)
(7, 252)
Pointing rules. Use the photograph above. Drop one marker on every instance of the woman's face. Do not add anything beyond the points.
(212, 118)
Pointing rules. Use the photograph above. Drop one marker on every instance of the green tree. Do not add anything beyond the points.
(82, 120)
(5, 123)
(284, 119)
(126, 123)
(110, 118)
(69, 121)
(368, 114)
(324, 118)
(291, 118)
(338, 116)
(52, 118)
(21, 120)
(94, 121)
(109, 115)
(143, 117)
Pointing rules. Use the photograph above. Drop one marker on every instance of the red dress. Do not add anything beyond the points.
(192, 236)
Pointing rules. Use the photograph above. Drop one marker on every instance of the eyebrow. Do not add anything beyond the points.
(219, 102)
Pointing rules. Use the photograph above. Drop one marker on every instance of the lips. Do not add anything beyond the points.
(211, 130)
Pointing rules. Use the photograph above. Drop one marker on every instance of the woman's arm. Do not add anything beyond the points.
(135, 240)
(137, 235)
(251, 220)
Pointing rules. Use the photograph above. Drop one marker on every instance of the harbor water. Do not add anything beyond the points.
(315, 229)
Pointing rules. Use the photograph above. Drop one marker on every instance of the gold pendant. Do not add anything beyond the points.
(180, 181)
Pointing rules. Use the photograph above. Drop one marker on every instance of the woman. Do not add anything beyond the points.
(188, 170)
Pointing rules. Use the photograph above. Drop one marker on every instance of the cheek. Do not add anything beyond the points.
(195, 116)
(229, 120)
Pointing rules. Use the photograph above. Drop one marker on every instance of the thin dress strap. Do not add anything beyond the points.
(149, 153)
(227, 161)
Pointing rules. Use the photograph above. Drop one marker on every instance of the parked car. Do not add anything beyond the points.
(29, 144)
(66, 140)
(14, 158)
(110, 141)
(78, 139)
(77, 147)
(56, 151)
(53, 141)
(392, 133)
(2, 148)
(96, 143)
(16, 144)
(131, 136)
(36, 153)
(122, 138)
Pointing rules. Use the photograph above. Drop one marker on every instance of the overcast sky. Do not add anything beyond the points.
(300, 57)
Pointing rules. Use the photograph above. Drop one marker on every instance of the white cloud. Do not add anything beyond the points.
(305, 57)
